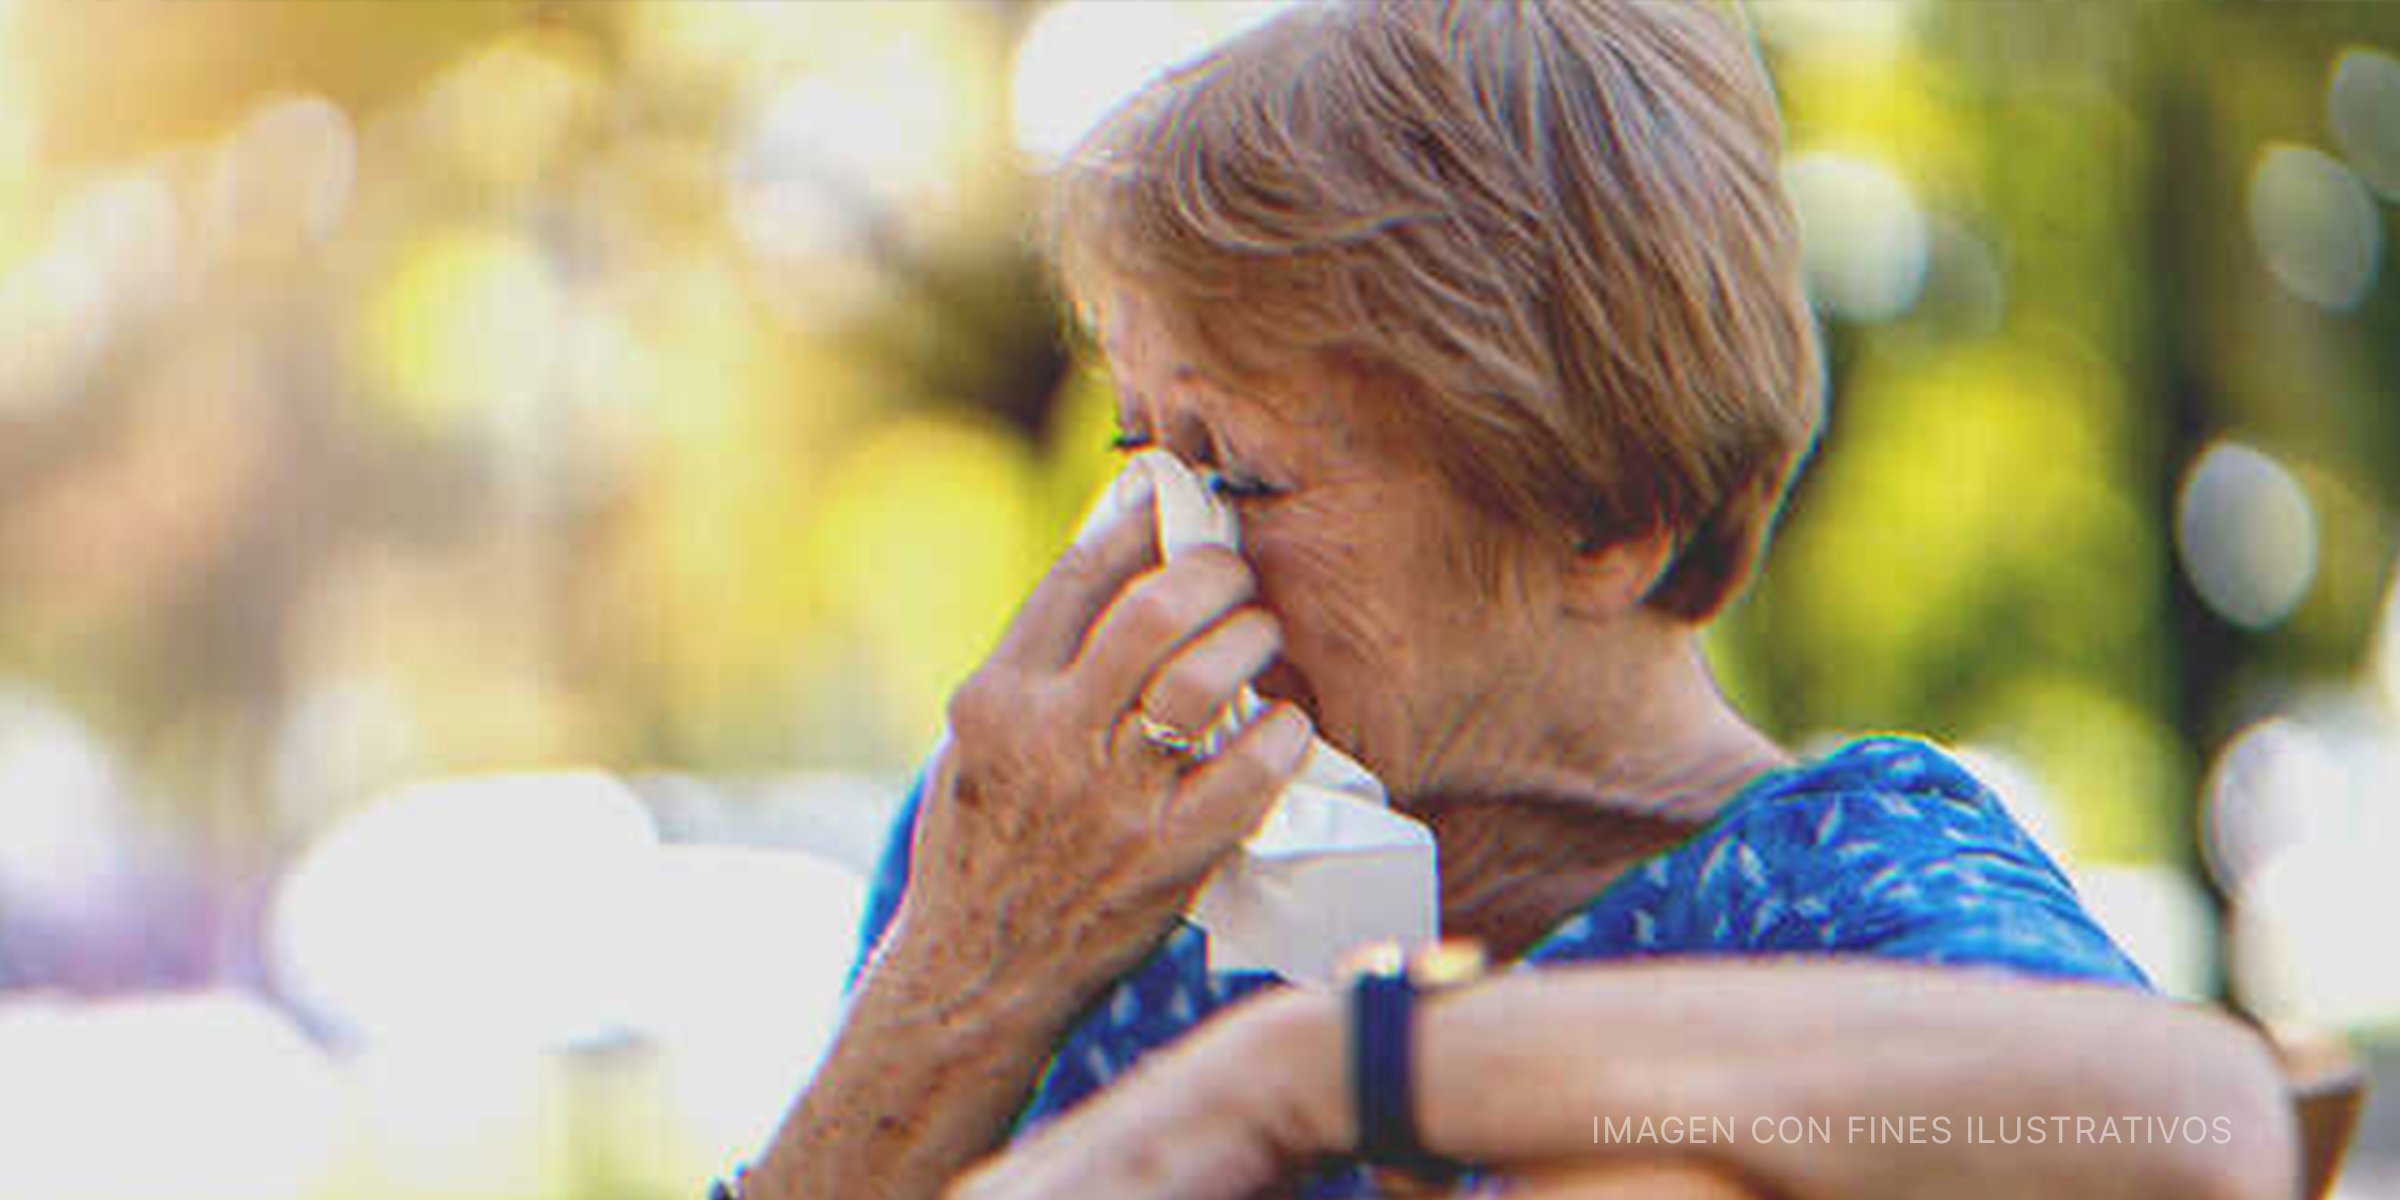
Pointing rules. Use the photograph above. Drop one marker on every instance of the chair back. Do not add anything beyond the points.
(2328, 1089)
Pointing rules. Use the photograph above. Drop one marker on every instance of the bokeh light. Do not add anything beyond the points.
(745, 954)
(481, 911)
(1867, 238)
(922, 551)
(2275, 785)
(504, 113)
(2317, 229)
(1081, 57)
(878, 140)
(2363, 108)
(465, 328)
(2297, 806)
(2295, 939)
(2384, 664)
(2247, 535)
(198, 1096)
(60, 824)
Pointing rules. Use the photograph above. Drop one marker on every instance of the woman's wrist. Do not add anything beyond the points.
(1304, 1033)
(929, 980)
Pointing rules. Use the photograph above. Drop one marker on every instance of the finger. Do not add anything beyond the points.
(1049, 629)
(1192, 688)
(1221, 802)
(1150, 620)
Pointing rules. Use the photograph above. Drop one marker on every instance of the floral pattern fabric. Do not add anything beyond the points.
(1884, 848)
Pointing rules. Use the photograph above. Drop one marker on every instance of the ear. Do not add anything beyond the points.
(1605, 582)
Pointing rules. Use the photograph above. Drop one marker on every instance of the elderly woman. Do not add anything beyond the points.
(1486, 318)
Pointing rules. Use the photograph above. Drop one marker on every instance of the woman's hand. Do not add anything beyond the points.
(1053, 847)
(1056, 844)
(1231, 1113)
(1228, 1112)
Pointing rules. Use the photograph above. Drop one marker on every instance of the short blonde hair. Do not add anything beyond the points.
(1557, 225)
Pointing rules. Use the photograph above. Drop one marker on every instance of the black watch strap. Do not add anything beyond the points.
(1382, 1069)
(1383, 1073)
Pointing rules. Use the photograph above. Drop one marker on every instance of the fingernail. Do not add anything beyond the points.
(1134, 487)
(1131, 489)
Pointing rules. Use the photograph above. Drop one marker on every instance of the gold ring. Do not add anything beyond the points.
(1164, 736)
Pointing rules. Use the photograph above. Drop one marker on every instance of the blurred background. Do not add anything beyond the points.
(493, 497)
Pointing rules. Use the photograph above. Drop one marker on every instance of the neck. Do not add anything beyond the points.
(1527, 837)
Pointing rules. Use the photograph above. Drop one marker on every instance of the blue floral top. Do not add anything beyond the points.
(1886, 847)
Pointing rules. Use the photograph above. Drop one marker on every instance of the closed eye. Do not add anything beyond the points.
(1130, 443)
(1234, 486)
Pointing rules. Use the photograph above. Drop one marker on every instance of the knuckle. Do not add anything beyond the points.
(1280, 756)
(1155, 610)
(981, 703)
(1181, 694)
(1258, 627)
(1080, 562)
(1252, 766)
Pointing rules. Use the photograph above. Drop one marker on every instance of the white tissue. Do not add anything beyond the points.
(1331, 865)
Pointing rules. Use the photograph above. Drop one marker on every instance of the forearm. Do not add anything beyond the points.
(934, 1058)
(1523, 1070)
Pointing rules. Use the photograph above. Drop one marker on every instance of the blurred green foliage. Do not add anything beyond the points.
(394, 390)
(670, 385)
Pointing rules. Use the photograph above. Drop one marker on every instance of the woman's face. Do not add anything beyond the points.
(1394, 650)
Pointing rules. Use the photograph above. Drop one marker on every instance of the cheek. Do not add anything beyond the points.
(1335, 607)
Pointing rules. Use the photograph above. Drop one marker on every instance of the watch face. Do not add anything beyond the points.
(1448, 963)
(1381, 957)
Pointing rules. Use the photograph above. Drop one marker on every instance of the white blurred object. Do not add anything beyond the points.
(743, 953)
(2363, 106)
(2384, 658)
(471, 911)
(1331, 865)
(1865, 239)
(2311, 943)
(2277, 784)
(2316, 227)
(438, 1120)
(842, 817)
(1081, 58)
(197, 1096)
(62, 814)
(2302, 815)
(881, 133)
(2247, 535)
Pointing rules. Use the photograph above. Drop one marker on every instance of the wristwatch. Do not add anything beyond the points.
(1384, 983)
